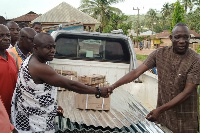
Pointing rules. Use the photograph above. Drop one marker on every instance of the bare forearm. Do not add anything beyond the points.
(131, 76)
(81, 88)
(126, 79)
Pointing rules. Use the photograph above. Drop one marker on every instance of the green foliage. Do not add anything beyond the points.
(100, 10)
(118, 22)
(141, 57)
(198, 51)
(138, 39)
(178, 15)
(199, 104)
(193, 19)
(151, 19)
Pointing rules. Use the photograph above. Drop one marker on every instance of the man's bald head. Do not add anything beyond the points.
(27, 31)
(26, 37)
(9, 23)
(42, 38)
(3, 27)
(14, 31)
(44, 47)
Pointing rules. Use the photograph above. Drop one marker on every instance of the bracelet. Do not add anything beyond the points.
(98, 95)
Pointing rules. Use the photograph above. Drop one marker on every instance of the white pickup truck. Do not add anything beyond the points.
(111, 55)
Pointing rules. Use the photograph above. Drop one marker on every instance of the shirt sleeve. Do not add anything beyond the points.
(11, 127)
(193, 75)
(150, 62)
(5, 125)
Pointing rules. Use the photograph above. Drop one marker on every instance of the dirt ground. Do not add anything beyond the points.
(143, 51)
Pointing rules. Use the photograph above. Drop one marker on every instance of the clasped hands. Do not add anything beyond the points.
(106, 91)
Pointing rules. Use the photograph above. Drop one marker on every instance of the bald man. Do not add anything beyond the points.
(24, 47)
(34, 101)
(14, 32)
(8, 70)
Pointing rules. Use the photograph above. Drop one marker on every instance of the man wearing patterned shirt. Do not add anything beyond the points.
(178, 77)
(34, 100)
(24, 47)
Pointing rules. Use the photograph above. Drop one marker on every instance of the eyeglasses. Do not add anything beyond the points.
(31, 39)
(2, 36)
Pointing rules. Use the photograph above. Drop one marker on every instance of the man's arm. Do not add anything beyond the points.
(42, 73)
(132, 75)
(189, 88)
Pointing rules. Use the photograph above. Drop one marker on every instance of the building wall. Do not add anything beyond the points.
(166, 42)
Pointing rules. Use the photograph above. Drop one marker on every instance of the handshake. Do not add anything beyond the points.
(104, 91)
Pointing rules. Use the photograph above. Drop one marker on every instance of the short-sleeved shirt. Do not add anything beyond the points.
(5, 125)
(174, 71)
(8, 79)
(33, 105)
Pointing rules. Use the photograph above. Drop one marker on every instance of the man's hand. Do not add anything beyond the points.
(111, 88)
(153, 115)
(60, 110)
(105, 92)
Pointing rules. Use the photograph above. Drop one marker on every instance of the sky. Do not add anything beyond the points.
(15, 8)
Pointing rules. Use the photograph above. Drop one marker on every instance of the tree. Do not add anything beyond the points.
(178, 15)
(166, 19)
(166, 10)
(198, 50)
(187, 4)
(118, 22)
(151, 18)
(100, 9)
(193, 19)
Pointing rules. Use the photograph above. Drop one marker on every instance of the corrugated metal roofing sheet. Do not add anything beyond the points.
(64, 13)
(125, 115)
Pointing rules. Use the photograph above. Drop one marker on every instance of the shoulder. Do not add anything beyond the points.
(13, 52)
(11, 49)
(163, 51)
(37, 66)
(193, 55)
(10, 57)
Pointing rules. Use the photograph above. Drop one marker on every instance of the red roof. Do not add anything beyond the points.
(194, 33)
(163, 34)
(166, 34)
(27, 17)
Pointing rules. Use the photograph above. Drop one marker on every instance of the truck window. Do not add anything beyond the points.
(91, 49)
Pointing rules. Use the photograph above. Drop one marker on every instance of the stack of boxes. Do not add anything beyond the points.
(88, 101)
(72, 75)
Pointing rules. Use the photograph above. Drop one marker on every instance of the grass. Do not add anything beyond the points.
(199, 105)
(141, 57)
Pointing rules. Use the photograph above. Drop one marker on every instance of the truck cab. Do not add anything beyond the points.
(111, 55)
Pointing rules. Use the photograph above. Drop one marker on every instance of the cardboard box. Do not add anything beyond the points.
(91, 79)
(66, 72)
(71, 75)
(89, 101)
(105, 84)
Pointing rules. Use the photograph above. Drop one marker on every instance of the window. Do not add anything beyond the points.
(92, 49)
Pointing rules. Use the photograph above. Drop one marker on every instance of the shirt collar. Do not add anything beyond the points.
(20, 52)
